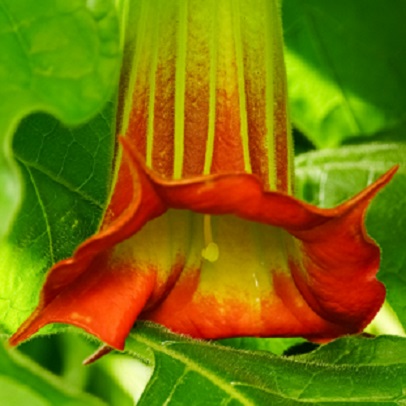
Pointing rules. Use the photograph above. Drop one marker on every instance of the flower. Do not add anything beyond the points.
(202, 233)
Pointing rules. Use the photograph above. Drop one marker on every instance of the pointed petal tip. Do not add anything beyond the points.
(371, 190)
(99, 353)
(16, 339)
(39, 320)
(25, 331)
(386, 177)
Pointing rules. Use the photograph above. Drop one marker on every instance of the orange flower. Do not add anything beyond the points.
(202, 233)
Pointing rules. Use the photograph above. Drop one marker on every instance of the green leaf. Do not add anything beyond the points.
(56, 56)
(64, 353)
(326, 178)
(346, 64)
(23, 382)
(195, 372)
(276, 346)
(66, 174)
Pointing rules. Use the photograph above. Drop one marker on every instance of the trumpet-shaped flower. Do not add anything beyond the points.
(202, 233)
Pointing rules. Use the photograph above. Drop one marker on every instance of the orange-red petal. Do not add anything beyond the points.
(320, 285)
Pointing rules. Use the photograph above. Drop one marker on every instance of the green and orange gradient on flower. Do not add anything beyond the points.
(202, 233)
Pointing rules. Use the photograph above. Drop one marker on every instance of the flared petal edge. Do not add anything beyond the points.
(332, 274)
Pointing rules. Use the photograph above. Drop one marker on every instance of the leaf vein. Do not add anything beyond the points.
(193, 366)
(44, 213)
(71, 188)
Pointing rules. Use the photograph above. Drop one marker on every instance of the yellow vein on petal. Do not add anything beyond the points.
(180, 81)
(212, 90)
(152, 88)
(280, 75)
(269, 95)
(241, 82)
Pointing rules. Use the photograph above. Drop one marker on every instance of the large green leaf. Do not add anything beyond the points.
(326, 178)
(351, 370)
(66, 174)
(22, 382)
(346, 63)
(59, 57)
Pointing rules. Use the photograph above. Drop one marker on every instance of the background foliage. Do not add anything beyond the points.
(346, 65)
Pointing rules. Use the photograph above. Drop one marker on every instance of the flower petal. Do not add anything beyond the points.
(79, 290)
(283, 267)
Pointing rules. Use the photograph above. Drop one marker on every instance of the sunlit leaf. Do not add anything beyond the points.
(59, 57)
(346, 63)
